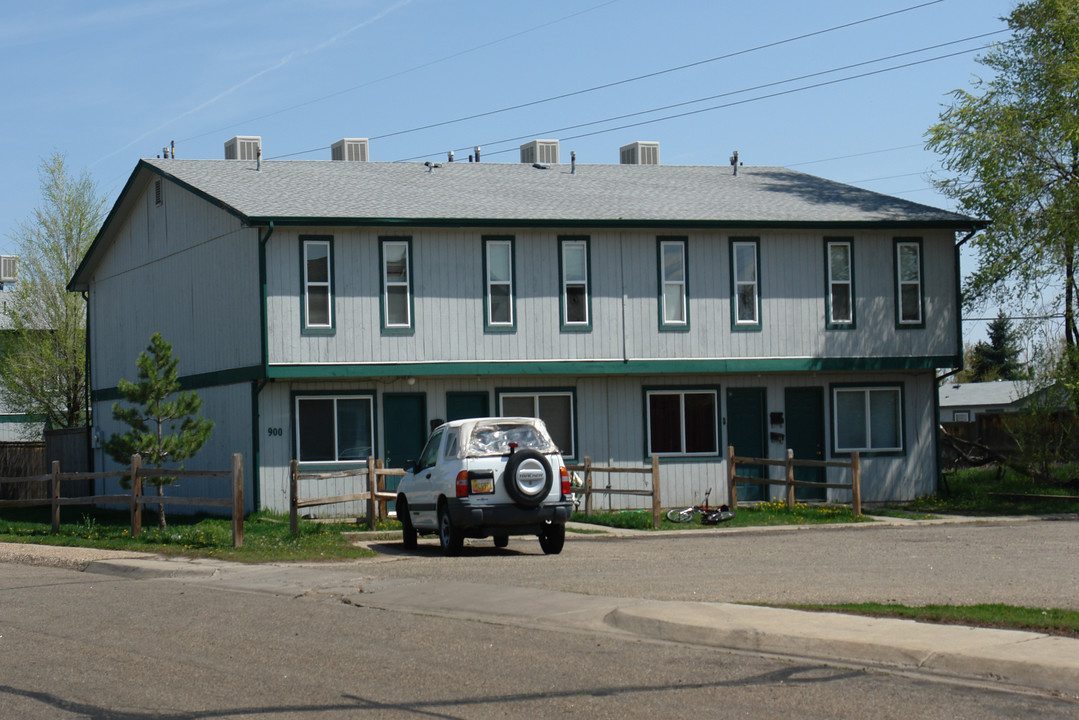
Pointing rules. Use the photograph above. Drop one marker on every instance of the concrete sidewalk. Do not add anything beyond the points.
(1020, 659)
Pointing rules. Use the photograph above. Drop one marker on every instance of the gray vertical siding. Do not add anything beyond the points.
(230, 409)
(448, 289)
(610, 425)
(185, 269)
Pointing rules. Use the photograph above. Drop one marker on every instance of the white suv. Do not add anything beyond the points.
(487, 477)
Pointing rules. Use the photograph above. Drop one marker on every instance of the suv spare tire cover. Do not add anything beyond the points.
(528, 478)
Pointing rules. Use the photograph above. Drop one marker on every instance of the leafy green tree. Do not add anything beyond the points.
(997, 359)
(1011, 152)
(162, 430)
(43, 366)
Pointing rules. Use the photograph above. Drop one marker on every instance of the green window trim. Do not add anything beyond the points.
(867, 390)
(536, 393)
(901, 248)
(386, 285)
(311, 288)
(672, 271)
(833, 284)
(491, 242)
(580, 285)
(739, 283)
(650, 392)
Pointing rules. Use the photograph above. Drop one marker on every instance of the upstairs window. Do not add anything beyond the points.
(317, 271)
(840, 283)
(576, 295)
(396, 284)
(745, 284)
(499, 279)
(908, 283)
(674, 287)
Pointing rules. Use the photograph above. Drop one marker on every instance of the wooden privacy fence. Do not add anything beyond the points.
(136, 499)
(375, 493)
(589, 489)
(733, 478)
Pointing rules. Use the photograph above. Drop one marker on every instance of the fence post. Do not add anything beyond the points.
(587, 485)
(237, 500)
(856, 482)
(372, 488)
(732, 487)
(657, 512)
(136, 496)
(790, 478)
(382, 508)
(55, 494)
(293, 497)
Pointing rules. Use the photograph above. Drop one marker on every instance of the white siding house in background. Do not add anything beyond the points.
(328, 310)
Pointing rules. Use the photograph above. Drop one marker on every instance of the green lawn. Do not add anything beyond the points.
(762, 514)
(987, 491)
(1044, 620)
(266, 537)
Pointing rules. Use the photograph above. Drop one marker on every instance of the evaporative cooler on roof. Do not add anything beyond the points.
(639, 153)
(243, 147)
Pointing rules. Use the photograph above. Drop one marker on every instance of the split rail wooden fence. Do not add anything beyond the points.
(733, 478)
(136, 499)
(590, 489)
(374, 493)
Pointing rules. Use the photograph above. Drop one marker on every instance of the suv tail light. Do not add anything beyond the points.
(564, 475)
(462, 484)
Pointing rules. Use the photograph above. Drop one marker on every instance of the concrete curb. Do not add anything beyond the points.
(1018, 658)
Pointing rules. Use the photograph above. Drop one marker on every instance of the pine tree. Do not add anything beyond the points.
(999, 358)
(162, 430)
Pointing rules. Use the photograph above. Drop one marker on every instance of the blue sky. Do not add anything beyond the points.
(107, 83)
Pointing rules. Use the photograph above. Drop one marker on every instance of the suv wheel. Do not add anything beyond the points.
(528, 478)
(408, 530)
(450, 538)
(552, 539)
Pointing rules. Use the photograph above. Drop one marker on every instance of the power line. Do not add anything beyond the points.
(861, 154)
(646, 76)
(605, 86)
(707, 109)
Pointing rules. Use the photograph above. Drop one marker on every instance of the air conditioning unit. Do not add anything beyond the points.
(243, 147)
(349, 150)
(639, 153)
(540, 151)
(9, 266)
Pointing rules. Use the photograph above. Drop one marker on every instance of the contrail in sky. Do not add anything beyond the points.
(276, 66)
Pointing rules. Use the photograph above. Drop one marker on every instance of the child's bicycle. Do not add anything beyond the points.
(709, 515)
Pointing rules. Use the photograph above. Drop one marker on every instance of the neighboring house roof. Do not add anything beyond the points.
(502, 194)
(1001, 393)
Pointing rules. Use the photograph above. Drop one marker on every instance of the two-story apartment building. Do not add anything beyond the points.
(331, 310)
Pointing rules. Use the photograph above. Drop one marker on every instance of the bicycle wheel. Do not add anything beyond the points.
(680, 515)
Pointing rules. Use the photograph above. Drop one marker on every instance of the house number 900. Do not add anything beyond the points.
(275, 432)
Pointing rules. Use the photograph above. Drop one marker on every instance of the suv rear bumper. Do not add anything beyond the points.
(508, 519)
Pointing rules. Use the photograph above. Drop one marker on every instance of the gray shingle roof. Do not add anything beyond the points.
(302, 190)
(1001, 392)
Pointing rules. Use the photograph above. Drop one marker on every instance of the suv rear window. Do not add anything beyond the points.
(495, 438)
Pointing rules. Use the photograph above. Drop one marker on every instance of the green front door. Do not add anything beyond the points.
(404, 417)
(746, 431)
(805, 436)
(461, 405)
